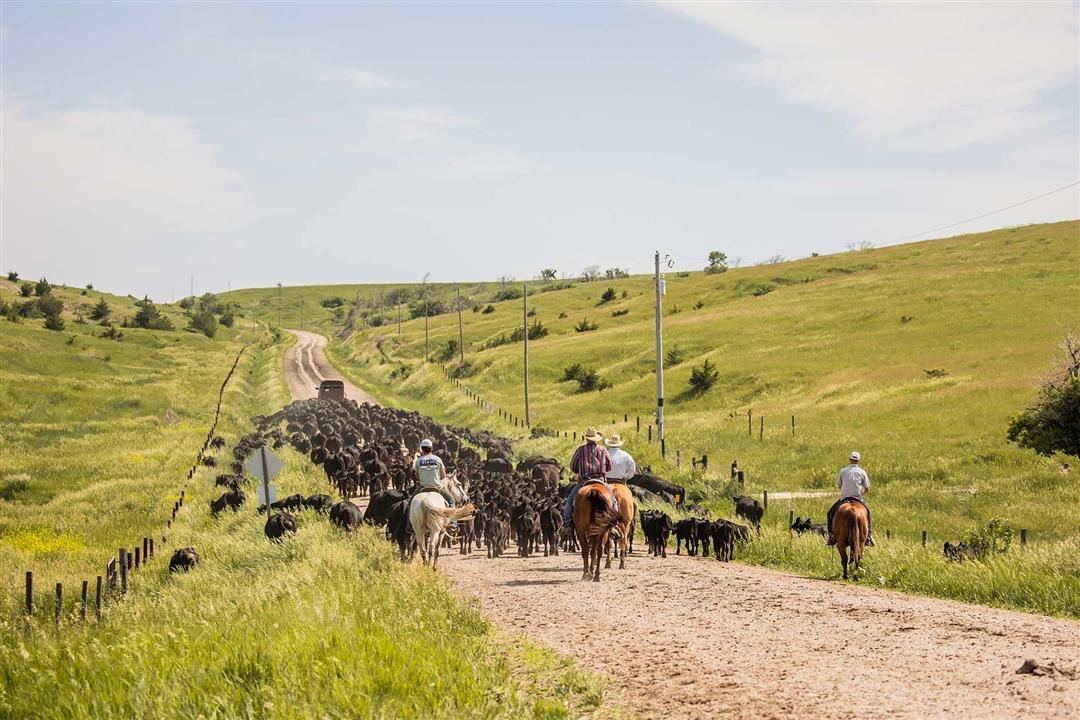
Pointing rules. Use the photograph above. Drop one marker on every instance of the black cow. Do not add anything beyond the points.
(184, 559)
(498, 465)
(292, 502)
(749, 508)
(346, 515)
(704, 533)
(801, 526)
(279, 525)
(378, 509)
(657, 528)
(319, 503)
(399, 530)
(686, 532)
(959, 552)
(675, 494)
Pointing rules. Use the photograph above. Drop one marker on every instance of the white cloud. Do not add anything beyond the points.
(114, 181)
(935, 74)
(413, 125)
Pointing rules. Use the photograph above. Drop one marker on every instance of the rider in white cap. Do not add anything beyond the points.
(430, 471)
(853, 483)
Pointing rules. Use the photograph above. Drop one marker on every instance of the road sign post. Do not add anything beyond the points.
(264, 465)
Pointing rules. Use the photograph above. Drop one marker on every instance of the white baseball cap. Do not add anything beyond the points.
(425, 443)
(855, 456)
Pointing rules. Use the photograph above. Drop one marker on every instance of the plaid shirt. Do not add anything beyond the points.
(590, 460)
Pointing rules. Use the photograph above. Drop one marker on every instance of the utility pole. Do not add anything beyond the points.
(301, 312)
(659, 356)
(254, 312)
(423, 299)
(280, 304)
(460, 326)
(399, 318)
(525, 326)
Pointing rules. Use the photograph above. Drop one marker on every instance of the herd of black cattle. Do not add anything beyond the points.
(369, 450)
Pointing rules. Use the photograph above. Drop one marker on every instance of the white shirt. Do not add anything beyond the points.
(429, 469)
(623, 466)
(853, 482)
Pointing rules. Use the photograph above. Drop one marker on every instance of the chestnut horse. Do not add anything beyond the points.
(850, 527)
(626, 524)
(594, 521)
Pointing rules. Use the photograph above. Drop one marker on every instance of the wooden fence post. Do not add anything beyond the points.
(1023, 536)
(123, 570)
(151, 547)
(678, 459)
(750, 422)
(790, 518)
(625, 417)
(137, 556)
(59, 602)
(663, 447)
(650, 433)
(705, 461)
(924, 538)
(765, 499)
(761, 432)
(792, 426)
(145, 550)
(29, 593)
(97, 598)
(82, 604)
(638, 423)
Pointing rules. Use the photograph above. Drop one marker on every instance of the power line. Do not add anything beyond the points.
(988, 214)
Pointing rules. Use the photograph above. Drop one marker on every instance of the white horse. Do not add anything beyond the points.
(429, 515)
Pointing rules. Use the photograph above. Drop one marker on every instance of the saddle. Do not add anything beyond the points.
(594, 481)
(427, 488)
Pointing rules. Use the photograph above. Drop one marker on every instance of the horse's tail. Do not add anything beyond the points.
(465, 512)
(603, 517)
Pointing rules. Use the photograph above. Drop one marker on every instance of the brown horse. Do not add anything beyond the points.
(594, 521)
(626, 517)
(850, 526)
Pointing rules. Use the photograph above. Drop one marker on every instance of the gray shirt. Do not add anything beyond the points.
(853, 481)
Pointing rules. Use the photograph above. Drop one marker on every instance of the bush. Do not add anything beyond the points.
(12, 275)
(26, 289)
(112, 333)
(585, 326)
(511, 292)
(49, 305)
(227, 318)
(531, 313)
(203, 321)
(447, 352)
(100, 310)
(42, 288)
(620, 313)
(149, 317)
(496, 341)
(401, 372)
(556, 286)
(429, 307)
(572, 373)
(608, 296)
(463, 370)
(699, 304)
(703, 377)
(187, 303)
(993, 538)
(589, 380)
(674, 356)
(562, 316)
(1051, 423)
(936, 373)
(489, 309)
(476, 308)
(536, 331)
(616, 273)
(717, 263)
(332, 302)
(683, 274)
(763, 289)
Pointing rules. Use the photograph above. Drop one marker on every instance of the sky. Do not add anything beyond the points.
(245, 144)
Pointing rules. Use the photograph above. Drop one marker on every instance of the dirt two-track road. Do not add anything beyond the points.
(695, 638)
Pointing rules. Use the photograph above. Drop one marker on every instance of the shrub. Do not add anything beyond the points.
(674, 310)
(717, 263)
(401, 372)
(608, 296)
(531, 313)
(510, 292)
(463, 370)
(112, 333)
(557, 286)
(674, 356)
(572, 373)
(993, 538)
(1051, 422)
(616, 273)
(699, 304)
(149, 317)
(488, 310)
(10, 311)
(496, 341)
(562, 315)
(49, 305)
(589, 380)
(203, 321)
(585, 326)
(936, 373)
(12, 275)
(536, 331)
(54, 322)
(26, 289)
(429, 307)
(446, 352)
(703, 377)
(619, 313)
(332, 302)
(42, 288)
(100, 310)
(683, 274)
(476, 308)
(187, 303)
(763, 289)
(377, 320)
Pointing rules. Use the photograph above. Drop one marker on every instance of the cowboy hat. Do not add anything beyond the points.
(591, 434)
(614, 441)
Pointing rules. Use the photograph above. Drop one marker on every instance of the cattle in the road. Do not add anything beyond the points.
(279, 525)
(319, 503)
(184, 559)
(749, 508)
(498, 465)
(378, 509)
(657, 528)
(346, 515)
(399, 530)
(703, 528)
(686, 532)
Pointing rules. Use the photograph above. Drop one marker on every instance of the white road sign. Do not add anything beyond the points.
(264, 457)
(262, 495)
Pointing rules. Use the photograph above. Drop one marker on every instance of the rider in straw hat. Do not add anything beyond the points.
(591, 461)
(623, 466)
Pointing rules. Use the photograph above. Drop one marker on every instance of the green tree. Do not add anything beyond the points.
(548, 274)
(101, 310)
(51, 307)
(42, 287)
(203, 321)
(149, 317)
(26, 289)
(12, 275)
(608, 295)
(703, 377)
(717, 263)
(1051, 422)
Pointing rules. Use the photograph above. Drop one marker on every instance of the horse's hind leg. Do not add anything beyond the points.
(607, 551)
(585, 557)
(843, 558)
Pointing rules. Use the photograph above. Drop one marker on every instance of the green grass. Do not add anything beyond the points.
(323, 625)
(829, 345)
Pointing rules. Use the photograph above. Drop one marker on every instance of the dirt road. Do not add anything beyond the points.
(694, 638)
(306, 366)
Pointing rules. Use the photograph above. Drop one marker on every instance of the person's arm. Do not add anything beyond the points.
(632, 466)
(575, 461)
(840, 480)
(865, 483)
(442, 469)
(606, 461)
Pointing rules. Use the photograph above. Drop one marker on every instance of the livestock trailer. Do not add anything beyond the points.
(332, 390)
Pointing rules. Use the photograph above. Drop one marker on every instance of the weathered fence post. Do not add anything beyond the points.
(792, 426)
(59, 602)
(888, 534)
(790, 518)
(123, 570)
(151, 547)
(82, 604)
(650, 433)
(678, 459)
(750, 422)
(29, 593)
(97, 598)
(625, 417)
(761, 432)
(765, 499)
(663, 447)
(1023, 536)
(924, 538)
(705, 461)
(638, 418)
(145, 550)
(137, 556)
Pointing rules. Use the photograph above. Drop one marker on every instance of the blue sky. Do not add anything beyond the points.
(319, 143)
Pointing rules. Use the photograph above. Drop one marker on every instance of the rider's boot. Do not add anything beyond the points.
(870, 540)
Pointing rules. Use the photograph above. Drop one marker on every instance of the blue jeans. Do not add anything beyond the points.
(568, 509)
(446, 496)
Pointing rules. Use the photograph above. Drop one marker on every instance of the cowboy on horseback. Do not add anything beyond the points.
(431, 473)
(591, 463)
(623, 466)
(854, 483)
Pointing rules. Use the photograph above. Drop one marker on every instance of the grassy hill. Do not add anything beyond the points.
(916, 355)
(96, 436)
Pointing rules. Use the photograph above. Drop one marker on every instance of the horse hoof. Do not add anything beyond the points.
(596, 579)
